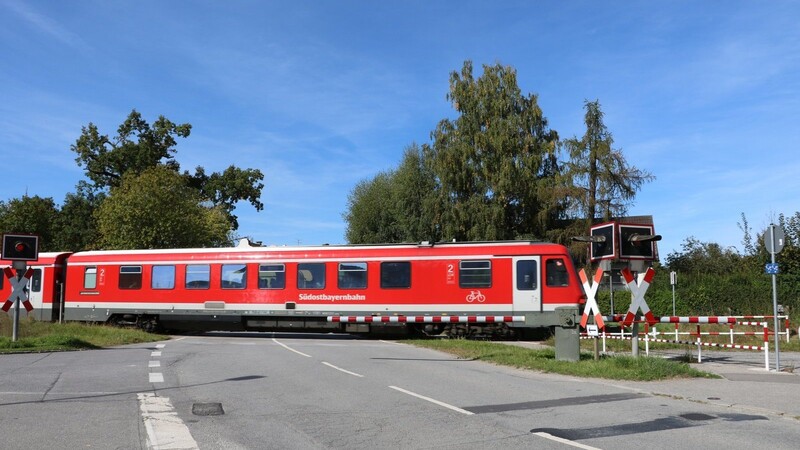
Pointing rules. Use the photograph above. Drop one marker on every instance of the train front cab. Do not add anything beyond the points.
(45, 287)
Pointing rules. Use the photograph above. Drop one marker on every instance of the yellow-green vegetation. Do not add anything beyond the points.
(611, 367)
(35, 336)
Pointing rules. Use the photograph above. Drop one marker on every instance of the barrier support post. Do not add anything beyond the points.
(766, 345)
(699, 351)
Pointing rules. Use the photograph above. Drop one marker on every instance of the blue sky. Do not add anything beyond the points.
(321, 94)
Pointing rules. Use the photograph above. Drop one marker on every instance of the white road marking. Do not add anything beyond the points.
(434, 401)
(156, 377)
(565, 441)
(290, 348)
(154, 364)
(343, 370)
(391, 342)
(155, 354)
(160, 345)
(165, 430)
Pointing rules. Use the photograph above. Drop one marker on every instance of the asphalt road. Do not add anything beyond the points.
(283, 391)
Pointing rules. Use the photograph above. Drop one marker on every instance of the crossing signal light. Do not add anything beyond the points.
(20, 247)
(636, 241)
(603, 241)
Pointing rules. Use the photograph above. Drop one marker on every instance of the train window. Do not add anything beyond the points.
(526, 275)
(36, 280)
(90, 278)
(130, 277)
(395, 275)
(163, 277)
(556, 272)
(311, 275)
(353, 275)
(271, 276)
(198, 276)
(473, 274)
(234, 276)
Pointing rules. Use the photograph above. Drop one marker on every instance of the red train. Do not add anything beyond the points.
(298, 288)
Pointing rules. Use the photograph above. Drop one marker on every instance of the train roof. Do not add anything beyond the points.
(247, 251)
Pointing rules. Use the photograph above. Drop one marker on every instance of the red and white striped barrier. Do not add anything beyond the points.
(697, 319)
(426, 319)
(648, 337)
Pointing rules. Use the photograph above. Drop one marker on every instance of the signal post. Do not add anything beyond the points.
(19, 248)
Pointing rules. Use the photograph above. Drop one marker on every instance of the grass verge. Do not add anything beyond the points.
(37, 336)
(610, 367)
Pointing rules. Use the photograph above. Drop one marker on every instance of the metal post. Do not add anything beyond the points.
(611, 289)
(775, 301)
(15, 325)
(673, 279)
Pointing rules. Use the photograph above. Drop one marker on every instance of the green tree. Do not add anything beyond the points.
(369, 218)
(76, 225)
(229, 187)
(138, 146)
(156, 209)
(494, 160)
(597, 176)
(31, 215)
(394, 206)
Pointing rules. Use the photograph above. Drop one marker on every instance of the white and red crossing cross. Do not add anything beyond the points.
(18, 291)
(591, 302)
(637, 296)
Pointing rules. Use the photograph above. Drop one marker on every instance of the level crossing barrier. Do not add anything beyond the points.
(652, 336)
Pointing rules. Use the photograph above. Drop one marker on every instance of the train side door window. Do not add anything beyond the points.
(556, 274)
(526, 275)
(234, 276)
(36, 280)
(271, 276)
(475, 274)
(311, 275)
(90, 278)
(198, 276)
(163, 277)
(353, 275)
(130, 277)
(395, 275)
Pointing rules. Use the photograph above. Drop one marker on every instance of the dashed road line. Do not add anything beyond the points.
(155, 354)
(154, 364)
(343, 370)
(434, 401)
(290, 348)
(156, 377)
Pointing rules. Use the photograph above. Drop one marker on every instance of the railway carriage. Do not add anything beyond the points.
(299, 288)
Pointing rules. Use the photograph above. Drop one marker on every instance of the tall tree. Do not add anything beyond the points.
(156, 209)
(493, 161)
(370, 217)
(138, 146)
(33, 215)
(597, 175)
(76, 225)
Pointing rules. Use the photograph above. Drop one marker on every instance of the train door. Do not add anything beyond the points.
(526, 276)
(35, 294)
